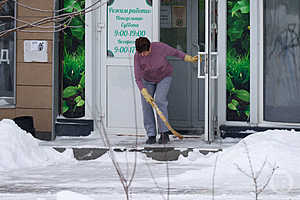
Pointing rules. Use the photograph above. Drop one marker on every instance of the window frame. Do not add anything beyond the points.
(13, 105)
(261, 119)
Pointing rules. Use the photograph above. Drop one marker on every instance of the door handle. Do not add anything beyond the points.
(203, 65)
(215, 70)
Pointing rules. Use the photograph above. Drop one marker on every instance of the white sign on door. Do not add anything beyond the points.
(126, 22)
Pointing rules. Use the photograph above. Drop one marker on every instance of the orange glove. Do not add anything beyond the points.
(188, 58)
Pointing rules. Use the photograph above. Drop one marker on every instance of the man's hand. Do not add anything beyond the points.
(188, 58)
(147, 96)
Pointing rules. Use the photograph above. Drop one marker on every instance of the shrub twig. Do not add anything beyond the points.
(255, 176)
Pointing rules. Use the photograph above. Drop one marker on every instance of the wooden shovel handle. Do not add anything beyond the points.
(163, 118)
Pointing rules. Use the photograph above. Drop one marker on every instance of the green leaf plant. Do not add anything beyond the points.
(74, 65)
(74, 61)
(238, 60)
(238, 21)
(73, 96)
(74, 35)
(238, 99)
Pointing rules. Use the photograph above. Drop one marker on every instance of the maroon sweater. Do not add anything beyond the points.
(155, 66)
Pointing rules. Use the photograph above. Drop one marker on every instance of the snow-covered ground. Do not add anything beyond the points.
(32, 172)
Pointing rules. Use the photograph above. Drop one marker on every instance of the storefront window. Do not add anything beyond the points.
(281, 61)
(74, 63)
(238, 60)
(7, 56)
(173, 24)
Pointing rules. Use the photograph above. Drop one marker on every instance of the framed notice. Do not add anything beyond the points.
(178, 16)
(126, 22)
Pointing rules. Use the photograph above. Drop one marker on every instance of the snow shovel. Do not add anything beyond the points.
(163, 118)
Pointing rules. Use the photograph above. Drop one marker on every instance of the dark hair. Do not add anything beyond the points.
(142, 44)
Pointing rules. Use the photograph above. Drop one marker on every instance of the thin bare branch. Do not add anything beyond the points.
(59, 28)
(155, 182)
(135, 121)
(114, 160)
(168, 177)
(2, 3)
(261, 169)
(41, 10)
(213, 177)
(274, 168)
(254, 177)
(242, 171)
(56, 18)
(249, 160)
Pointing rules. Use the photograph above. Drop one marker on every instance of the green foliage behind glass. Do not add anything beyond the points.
(74, 65)
(74, 35)
(238, 60)
(74, 62)
(238, 22)
(74, 96)
(237, 84)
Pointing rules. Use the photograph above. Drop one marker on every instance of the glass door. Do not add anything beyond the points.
(208, 68)
(182, 25)
(191, 26)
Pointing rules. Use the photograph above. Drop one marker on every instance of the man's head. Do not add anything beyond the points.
(142, 45)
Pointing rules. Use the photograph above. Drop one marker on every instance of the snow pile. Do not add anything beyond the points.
(278, 149)
(18, 149)
(68, 195)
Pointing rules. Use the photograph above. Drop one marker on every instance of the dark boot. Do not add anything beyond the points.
(151, 140)
(164, 138)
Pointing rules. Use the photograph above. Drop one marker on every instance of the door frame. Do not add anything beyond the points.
(222, 49)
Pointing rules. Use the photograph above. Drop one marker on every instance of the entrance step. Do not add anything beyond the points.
(73, 127)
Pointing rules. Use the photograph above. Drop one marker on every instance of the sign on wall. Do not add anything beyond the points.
(179, 16)
(35, 51)
(126, 22)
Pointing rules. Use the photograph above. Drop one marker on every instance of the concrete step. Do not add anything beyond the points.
(73, 127)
